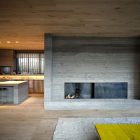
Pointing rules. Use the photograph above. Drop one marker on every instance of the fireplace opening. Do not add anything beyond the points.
(114, 90)
(79, 90)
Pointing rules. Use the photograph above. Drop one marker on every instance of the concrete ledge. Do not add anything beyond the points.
(93, 104)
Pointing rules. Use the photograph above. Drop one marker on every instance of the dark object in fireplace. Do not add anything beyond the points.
(78, 90)
(72, 90)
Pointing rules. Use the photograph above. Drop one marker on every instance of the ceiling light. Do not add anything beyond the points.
(16, 42)
(8, 42)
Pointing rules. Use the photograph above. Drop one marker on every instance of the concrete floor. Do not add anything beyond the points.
(29, 121)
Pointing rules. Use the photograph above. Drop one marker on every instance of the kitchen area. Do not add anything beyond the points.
(21, 72)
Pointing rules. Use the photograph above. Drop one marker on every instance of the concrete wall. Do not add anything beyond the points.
(79, 59)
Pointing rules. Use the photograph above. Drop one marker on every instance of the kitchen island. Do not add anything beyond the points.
(35, 82)
(13, 92)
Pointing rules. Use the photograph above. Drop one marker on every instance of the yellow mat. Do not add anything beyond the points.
(118, 131)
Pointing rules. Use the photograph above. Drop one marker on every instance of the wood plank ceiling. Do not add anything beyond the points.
(26, 21)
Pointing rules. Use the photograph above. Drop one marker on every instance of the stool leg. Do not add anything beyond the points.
(0, 95)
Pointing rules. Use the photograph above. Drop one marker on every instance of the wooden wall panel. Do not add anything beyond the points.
(7, 58)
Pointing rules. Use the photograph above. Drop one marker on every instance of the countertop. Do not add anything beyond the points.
(11, 83)
(22, 77)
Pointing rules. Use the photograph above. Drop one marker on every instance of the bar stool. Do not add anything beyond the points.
(3, 95)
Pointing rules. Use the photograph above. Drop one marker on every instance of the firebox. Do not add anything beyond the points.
(79, 90)
(116, 90)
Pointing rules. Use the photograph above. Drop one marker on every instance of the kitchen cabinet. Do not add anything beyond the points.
(36, 86)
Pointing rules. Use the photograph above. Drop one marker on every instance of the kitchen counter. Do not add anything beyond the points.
(13, 92)
(22, 77)
(35, 82)
(11, 83)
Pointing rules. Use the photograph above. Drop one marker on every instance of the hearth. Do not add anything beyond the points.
(114, 90)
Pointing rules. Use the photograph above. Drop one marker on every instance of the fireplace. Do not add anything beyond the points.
(85, 72)
(111, 90)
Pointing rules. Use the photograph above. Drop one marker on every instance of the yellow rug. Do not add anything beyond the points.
(118, 131)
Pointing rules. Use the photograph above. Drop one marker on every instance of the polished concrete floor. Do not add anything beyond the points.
(29, 120)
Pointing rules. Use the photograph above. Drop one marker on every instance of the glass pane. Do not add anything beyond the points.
(30, 63)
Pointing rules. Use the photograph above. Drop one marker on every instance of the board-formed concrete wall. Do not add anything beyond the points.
(88, 59)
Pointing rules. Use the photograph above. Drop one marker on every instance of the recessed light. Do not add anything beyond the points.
(16, 42)
(8, 42)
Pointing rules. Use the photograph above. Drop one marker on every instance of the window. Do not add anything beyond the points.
(30, 63)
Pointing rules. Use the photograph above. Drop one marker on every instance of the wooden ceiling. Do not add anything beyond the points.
(26, 21)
